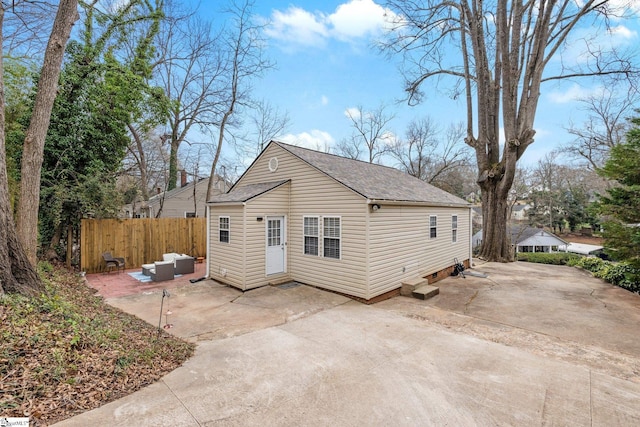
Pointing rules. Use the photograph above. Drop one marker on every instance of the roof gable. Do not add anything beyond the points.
(520, 234)
(246, 192)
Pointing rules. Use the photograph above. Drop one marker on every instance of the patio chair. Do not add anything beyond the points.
(163, 270)
(184, 264)
(113, 262)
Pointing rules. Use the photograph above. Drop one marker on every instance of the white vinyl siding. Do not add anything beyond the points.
(311, 235)
(400, 246)
(313, 192)
(180, 201)
(433, 227)
(226, 259)
(272, 203)
(454, 228)
(223, 229)
(377, 249)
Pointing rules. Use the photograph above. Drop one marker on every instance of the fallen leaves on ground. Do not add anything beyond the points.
(67, 352)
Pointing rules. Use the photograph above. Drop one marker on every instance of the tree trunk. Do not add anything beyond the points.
(16, 273)
(173, 162)
(33, 150)
(141, 160)
(51, 254)
(496, 239)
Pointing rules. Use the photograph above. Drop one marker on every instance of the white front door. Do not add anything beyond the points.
(275, 244)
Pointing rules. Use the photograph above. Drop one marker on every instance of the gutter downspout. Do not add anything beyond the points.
(206, 271)
(470, 237)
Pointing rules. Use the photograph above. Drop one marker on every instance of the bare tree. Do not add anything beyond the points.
(26, 28)
(191, 69)
(349, 148)
(268, 123)
(244, 43)
(17, 258)
(371, 133)
(147, 160)
(521, 187)
(605, 127)
(431, 156)
(498, 55)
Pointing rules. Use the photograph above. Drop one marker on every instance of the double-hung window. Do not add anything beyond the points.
(454, 228)
(433, 226)
(311, 235)
(224, 229)
(331, 237)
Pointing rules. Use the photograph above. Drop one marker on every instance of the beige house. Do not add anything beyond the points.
(186, 201)
(335, 223)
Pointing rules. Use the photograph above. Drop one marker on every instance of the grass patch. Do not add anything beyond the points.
(66, 351)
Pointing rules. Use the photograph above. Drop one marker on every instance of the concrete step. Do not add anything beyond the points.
(409, 285)
(425, 292)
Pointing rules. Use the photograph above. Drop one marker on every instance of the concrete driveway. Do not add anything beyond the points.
(528, 345)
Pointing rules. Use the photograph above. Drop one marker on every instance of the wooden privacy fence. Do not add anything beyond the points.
(139, 240)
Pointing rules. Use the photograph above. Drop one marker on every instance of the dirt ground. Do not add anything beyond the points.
(579, 238)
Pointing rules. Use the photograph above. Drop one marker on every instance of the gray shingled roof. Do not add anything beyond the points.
(373, 181)
(520, 233)
(247, 192)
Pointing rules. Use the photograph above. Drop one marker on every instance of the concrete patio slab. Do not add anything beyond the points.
(528, 345)
(209, 310)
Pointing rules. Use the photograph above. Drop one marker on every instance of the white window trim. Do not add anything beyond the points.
(454, 230)
(228, 229)
(318, 236)
(436, 226)
(339, 237)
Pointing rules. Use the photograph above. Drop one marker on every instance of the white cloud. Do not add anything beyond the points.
(297, 26)
(621, 6)
(353, 112)
(324, 100)
(357, 18)
(315, 139)
(574, 93)
(351, 21)
(622, 33)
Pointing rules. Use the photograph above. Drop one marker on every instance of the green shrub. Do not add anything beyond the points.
(617, 273)
(556, 258)
(592, 264)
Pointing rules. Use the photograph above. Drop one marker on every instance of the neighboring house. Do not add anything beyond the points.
(519, 212)
(186, 201)
(528, 239)
(344, 225)
(476, 217)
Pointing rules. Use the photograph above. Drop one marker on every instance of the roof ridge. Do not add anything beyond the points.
(281, 144)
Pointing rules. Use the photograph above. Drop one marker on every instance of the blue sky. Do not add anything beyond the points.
(326, 64)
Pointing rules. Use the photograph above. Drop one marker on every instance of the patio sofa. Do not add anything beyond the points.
(162, 270)
(184, 264)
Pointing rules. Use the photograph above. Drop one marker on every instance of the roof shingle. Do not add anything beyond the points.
(247, 192)
(375, 182)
